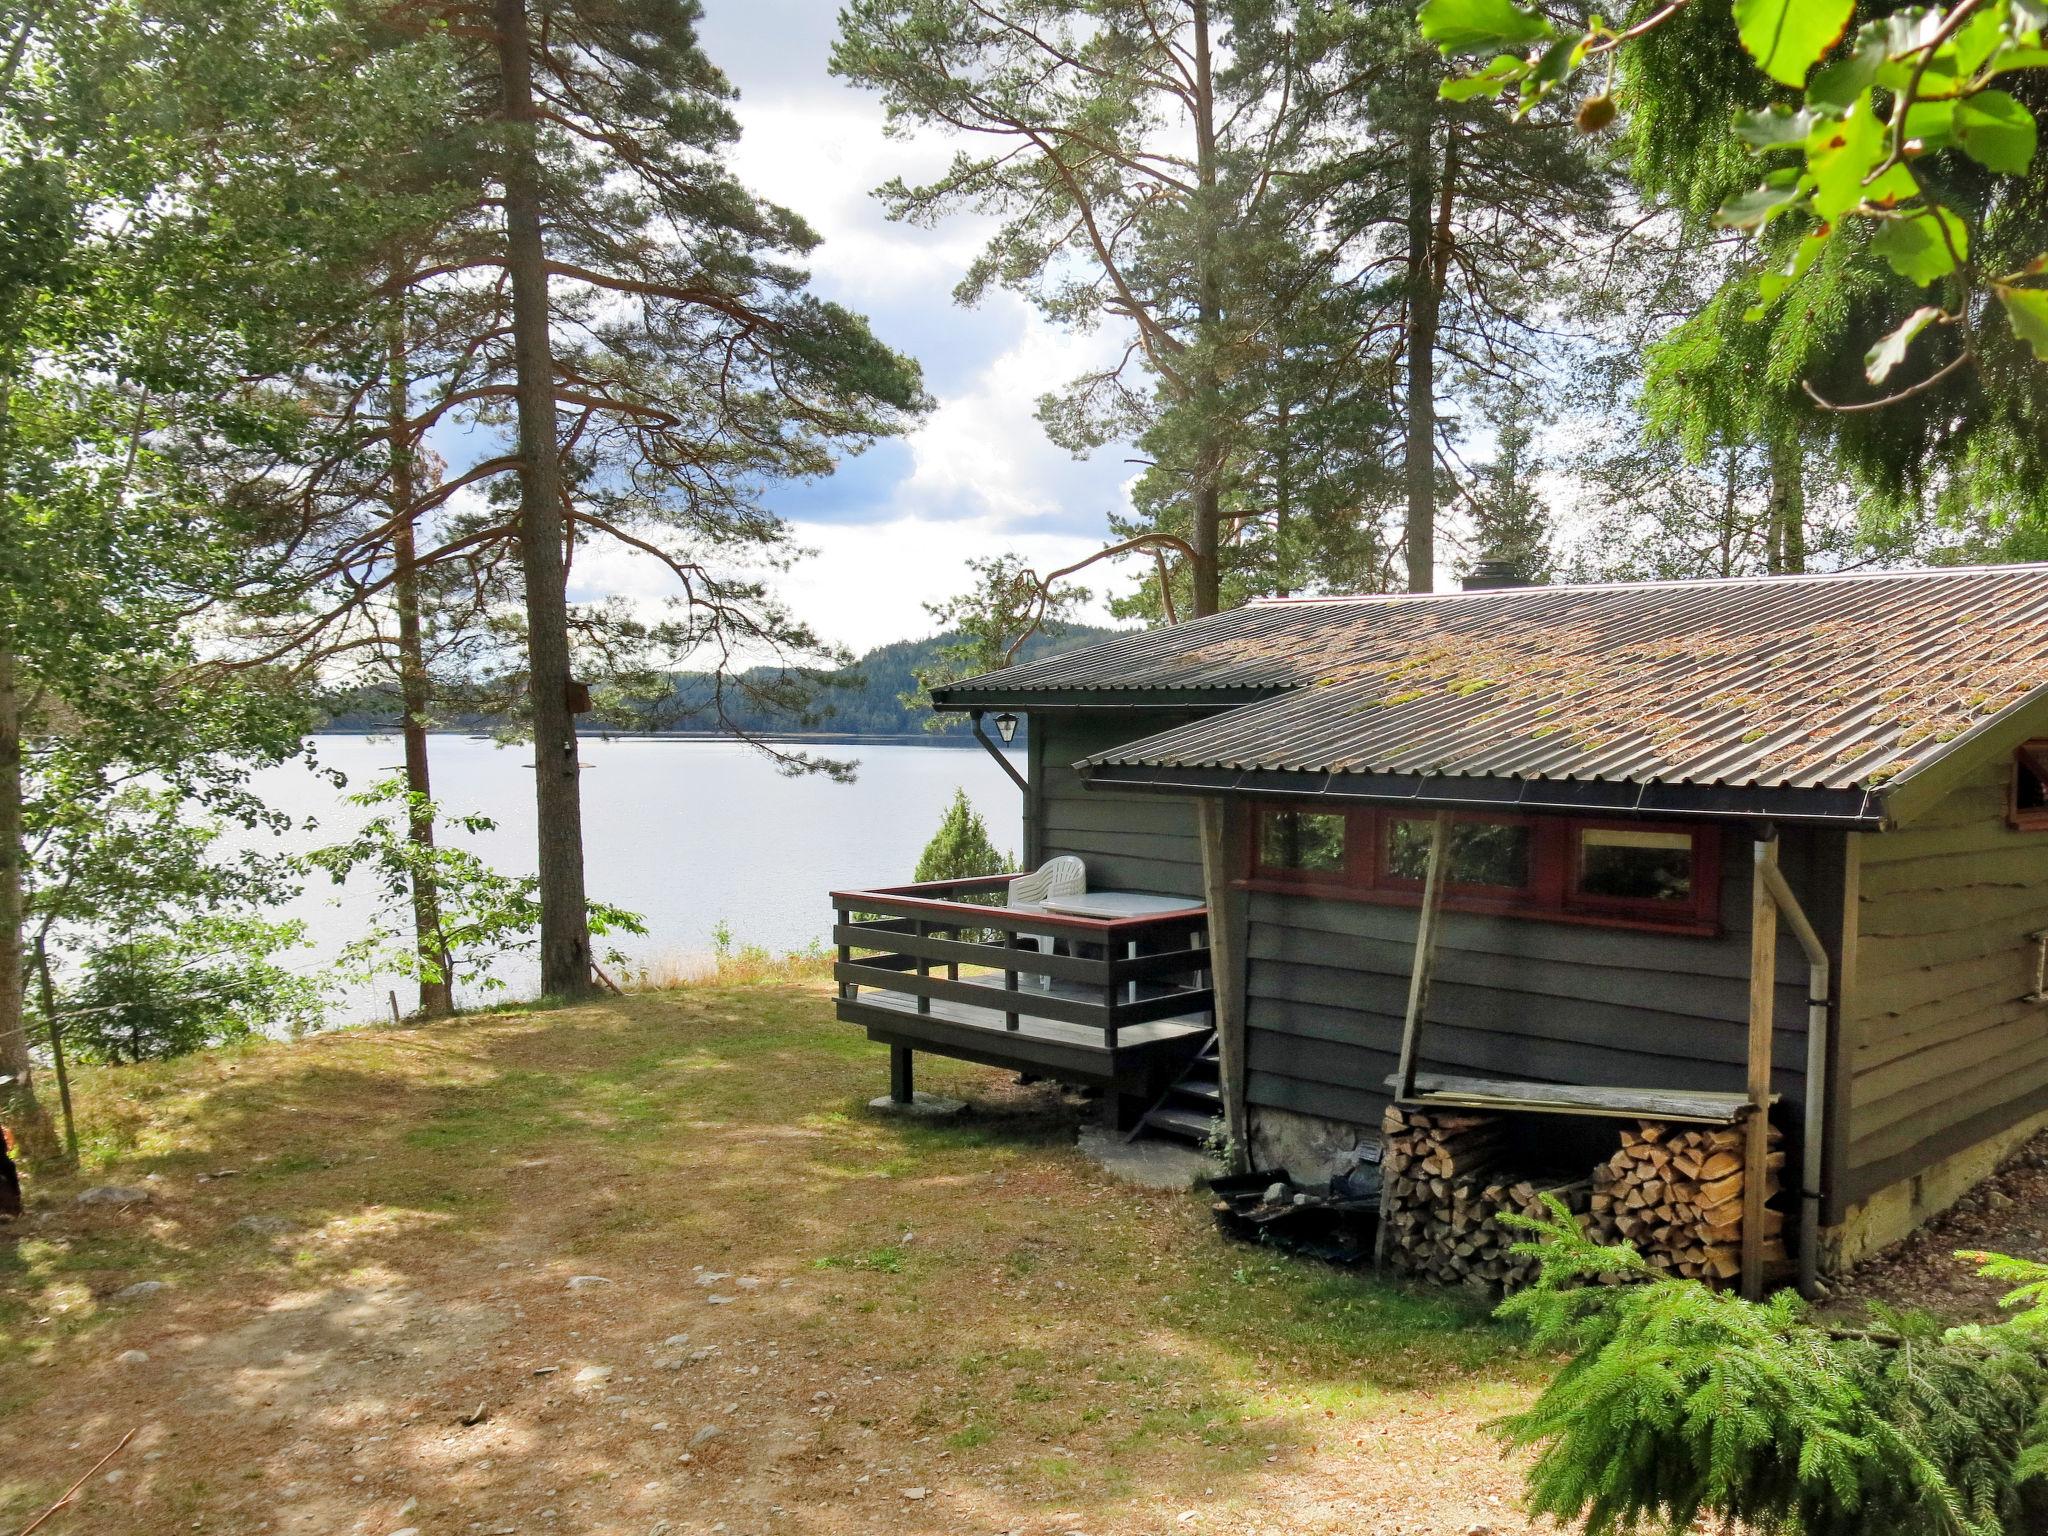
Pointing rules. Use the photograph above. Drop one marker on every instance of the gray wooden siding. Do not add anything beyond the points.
(1514, 997)
(1941, 1049)
(1130, 840)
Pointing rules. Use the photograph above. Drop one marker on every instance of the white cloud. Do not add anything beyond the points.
(983, 447)
(868, 585)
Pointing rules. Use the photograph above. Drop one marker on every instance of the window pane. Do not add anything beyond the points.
(1635, 866)
(2030, 777)
(1492, 853)
(1304, 840)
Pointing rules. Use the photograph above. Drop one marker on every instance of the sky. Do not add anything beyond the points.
(894, 528)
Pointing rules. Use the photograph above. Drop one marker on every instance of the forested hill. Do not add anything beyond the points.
(864, 698)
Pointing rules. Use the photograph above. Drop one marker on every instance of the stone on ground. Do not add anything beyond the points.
(922, 1106)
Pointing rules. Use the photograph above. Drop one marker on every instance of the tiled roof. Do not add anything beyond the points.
(1833, 682)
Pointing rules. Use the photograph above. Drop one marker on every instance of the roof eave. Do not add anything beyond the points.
(1855, 809)
(970, 695)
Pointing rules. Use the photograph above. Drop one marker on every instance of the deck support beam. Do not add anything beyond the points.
(902, 1087)
(1763, 1004)
(1217, 821)
(1427, 929)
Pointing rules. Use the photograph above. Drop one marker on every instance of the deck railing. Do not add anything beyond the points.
(1104, 974)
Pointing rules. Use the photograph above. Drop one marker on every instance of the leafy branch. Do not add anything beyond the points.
(1843, 159)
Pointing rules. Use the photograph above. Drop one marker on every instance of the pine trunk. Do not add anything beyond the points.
(17, 1096)
(1208, 498)
(1424, 304)
(437, 992)
(565, 919)
(1787, 550)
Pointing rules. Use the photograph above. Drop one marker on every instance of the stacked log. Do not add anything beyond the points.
(1445, 1189)
(1676, 1195)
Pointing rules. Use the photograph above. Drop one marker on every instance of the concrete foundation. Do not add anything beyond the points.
(1895, 1211)
(1309, 1147)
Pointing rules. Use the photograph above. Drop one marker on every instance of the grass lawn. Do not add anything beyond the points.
(805, 1318)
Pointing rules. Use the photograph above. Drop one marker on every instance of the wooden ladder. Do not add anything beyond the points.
(1192, 1103)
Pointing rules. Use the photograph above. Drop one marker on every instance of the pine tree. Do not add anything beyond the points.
(619, 339)
(961, 849)
(1512, 525)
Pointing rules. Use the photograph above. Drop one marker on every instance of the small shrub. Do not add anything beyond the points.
(1680, 1401)
(962, 849)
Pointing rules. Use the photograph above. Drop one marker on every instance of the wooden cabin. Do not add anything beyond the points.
(1770, 850)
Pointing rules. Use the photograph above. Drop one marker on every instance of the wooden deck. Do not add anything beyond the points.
(1143, 1060)
(1119, 1004)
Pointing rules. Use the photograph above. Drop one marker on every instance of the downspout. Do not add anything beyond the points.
(996, 752)
(1817, 994)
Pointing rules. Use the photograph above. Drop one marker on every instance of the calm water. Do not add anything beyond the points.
(689, 834)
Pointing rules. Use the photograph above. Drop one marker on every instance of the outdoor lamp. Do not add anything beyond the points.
(1006, 727)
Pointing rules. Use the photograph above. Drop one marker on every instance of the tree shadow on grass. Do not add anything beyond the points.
(971, 1287)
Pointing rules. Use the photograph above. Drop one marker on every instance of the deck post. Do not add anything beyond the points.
(1112, 991)
(1010, 979)
(1428, 926)
(1763, 999)
(1220, 823)
(901, 1088)
(924, 971)
(847, 989)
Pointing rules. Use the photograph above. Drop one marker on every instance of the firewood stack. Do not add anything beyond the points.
(1675, 1194)
(1445, 1190)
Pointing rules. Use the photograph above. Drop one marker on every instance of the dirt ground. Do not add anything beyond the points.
(651, 1268)
(2007, 1214)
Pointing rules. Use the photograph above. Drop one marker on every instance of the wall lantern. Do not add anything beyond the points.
(1006, 727)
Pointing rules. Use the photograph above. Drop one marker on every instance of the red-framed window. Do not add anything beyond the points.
(1564, 868)
(2027, 802)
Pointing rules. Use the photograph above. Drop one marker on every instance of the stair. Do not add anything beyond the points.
(1189, 1109)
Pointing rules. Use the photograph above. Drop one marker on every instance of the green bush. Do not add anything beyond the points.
(961, 848)
(157, 995)
(1680, 1401)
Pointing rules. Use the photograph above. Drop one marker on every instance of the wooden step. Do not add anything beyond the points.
(1207, 1092)
(1171, 1119)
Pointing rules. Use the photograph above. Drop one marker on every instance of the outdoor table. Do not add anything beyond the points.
(1116, 904)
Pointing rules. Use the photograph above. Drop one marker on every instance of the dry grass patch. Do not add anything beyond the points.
(805, 1318)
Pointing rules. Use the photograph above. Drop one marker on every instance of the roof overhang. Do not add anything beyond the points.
(1853, 809)
(964, 696)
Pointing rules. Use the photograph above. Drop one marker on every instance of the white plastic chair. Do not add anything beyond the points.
(1063, 876)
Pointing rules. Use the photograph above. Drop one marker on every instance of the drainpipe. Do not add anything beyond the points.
(1817, 991)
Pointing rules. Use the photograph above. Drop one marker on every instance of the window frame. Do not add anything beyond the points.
(1279, 877)
(1550, 896)
(2029, 757)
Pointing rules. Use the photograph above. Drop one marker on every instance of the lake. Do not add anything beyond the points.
(689, 834)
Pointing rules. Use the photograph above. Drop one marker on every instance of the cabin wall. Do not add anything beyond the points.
(1514, 997)
(1946, 1062)
(1130, 840)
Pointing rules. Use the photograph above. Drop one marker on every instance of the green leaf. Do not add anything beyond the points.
(1997, 132)
(1474, 26)
(2027, 309)
(2030, 56)
(1774, 128)
(1979, 38)
(1881, 359)
(1771, 284)
(1933, 123)
(1841, 157)
(1835, 86)
(1501, 72)
(1788, 37)
(1916, 248)
(1753, 210)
